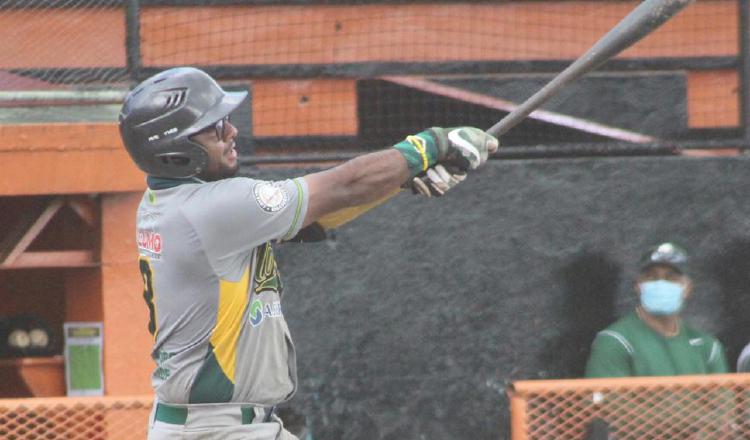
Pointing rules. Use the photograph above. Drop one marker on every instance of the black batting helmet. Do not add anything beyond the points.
(161, 113)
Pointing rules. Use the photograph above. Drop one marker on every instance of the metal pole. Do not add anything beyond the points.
(744, 69)
(133, 38)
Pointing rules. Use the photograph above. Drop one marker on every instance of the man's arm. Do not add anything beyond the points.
(368, 178)
(361, 180)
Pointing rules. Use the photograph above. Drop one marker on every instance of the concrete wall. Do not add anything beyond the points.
(410, 322)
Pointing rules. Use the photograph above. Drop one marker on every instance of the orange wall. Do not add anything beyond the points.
(419, 32)
(127, 343)
(713, 99)
(58, 37)
(304, 107)
(87, 37)
(65, 158)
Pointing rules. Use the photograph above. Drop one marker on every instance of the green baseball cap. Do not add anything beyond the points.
(665, 253)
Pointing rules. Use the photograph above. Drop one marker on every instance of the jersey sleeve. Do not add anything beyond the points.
(233, 216)
(610, 356)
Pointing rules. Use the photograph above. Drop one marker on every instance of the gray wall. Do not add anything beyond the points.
(410, 322)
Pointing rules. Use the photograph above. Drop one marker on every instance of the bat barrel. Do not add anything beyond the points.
(643, 20)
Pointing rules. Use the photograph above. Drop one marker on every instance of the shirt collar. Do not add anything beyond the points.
(157, 183)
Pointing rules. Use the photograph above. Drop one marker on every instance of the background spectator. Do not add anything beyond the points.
(653, 340)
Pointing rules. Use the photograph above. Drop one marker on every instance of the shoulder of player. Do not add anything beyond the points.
(697, 337)
(620, 333)
(204, 191)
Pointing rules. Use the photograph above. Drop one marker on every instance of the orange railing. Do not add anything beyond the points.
(90, 418)
(682, 407)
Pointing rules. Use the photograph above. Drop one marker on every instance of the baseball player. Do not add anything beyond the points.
(224, 356)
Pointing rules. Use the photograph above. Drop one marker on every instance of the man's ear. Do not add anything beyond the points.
(688, 291)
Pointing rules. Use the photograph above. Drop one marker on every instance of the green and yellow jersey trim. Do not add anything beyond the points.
(216, 378)
(232, 303)
(297, 212)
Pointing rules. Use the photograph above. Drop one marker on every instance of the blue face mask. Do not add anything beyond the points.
(661, 297)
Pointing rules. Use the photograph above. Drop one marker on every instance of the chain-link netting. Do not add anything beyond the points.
(362, 74)
(50, 44)
(686, 408)
(90, 418)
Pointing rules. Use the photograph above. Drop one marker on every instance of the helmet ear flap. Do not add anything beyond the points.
(192, 159)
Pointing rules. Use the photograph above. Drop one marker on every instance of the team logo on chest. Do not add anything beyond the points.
(266, 279)
(260, 311)
(266, 275)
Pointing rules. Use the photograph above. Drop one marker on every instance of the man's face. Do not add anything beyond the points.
(222, 152)
(663, 272)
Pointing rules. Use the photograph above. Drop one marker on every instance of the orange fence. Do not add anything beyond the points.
(90, 418)
(685, 407)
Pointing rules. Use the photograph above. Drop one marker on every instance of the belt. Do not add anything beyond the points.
(177, 415)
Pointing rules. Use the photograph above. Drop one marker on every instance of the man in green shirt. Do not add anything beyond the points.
(653, 340)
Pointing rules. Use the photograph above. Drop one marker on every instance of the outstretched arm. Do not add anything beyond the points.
(368, 178)
(359, 181)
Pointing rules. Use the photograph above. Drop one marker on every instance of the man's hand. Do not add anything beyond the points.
(465, 148)
(437, 181)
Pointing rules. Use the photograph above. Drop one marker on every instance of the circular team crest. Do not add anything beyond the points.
(271, 197)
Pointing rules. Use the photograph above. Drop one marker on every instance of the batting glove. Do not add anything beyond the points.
(465, 148)
(436, 181)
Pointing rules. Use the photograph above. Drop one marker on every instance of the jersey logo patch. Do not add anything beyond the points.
(260, 312)
(149, 241)
(271, 196)
(266, 275)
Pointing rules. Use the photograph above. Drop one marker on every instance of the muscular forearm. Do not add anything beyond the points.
(361, 180)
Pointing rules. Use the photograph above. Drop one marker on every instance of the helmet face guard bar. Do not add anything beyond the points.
(159, 116)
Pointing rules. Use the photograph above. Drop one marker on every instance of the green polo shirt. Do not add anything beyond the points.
(629, 347)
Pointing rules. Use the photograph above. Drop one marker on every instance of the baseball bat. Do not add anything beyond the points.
(643, 20)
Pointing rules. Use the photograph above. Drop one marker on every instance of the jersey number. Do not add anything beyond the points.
(148, 293)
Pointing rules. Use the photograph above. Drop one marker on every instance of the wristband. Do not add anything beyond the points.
(419, 151)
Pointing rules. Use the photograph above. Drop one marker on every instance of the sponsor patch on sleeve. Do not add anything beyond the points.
(271, 196)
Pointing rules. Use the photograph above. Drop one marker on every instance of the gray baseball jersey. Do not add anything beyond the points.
(213, 288)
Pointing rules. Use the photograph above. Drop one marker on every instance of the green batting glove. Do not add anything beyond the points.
(466, 148)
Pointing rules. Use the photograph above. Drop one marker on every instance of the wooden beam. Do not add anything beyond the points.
(508, 106)
(84, 208)
(14, 250)
(68, 158)
(48, 259)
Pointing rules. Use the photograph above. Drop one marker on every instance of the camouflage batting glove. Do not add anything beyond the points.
(437, 181)
(466, 148)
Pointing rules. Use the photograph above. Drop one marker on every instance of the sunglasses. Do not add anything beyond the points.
(220, 127)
